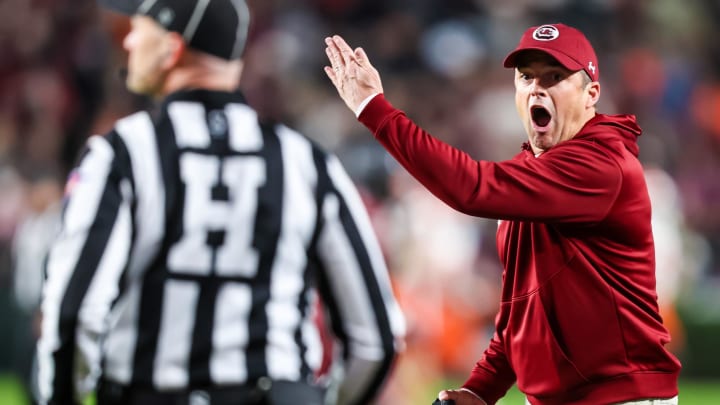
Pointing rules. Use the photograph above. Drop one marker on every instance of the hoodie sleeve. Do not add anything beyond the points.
(492, 376)
(576, 181)
(355, 285)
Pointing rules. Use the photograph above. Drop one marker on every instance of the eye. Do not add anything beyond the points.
(557, 76)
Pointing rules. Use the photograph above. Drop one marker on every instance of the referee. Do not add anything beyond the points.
(196, 243)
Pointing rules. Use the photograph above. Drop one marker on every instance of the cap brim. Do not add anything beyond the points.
(568, 62)
(128, 7)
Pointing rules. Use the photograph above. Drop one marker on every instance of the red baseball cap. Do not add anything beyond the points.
(566, 44)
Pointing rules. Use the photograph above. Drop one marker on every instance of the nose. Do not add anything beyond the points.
(537, 88)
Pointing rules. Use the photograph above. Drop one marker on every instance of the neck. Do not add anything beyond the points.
(590, 114)
(197, 71)
(580, 123)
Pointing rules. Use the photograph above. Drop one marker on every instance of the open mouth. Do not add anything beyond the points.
(540, 116)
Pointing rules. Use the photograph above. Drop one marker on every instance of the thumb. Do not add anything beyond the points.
(360, 55)
(446, 394)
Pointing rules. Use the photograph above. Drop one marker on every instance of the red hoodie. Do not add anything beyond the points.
(579, 321)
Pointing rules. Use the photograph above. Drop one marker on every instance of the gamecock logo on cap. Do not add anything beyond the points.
(546, 33)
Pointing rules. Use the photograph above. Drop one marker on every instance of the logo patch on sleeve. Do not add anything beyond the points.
(72, 182)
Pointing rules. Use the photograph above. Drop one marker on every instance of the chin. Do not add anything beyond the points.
(137, 88)
(131, 85)
(543, 142)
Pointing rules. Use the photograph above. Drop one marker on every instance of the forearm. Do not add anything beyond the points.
(355, 284)
(448, 173)
(492, 376)
(575, 183)
(55, 357)
(363, 379)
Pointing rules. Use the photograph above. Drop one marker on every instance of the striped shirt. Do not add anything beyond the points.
(193, 250)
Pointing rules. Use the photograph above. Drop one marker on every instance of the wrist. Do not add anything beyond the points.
(474, 394)
(359, 109)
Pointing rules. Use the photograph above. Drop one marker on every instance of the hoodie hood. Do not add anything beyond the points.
(611, 127)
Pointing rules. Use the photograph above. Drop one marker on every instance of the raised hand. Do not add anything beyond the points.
(351, 72)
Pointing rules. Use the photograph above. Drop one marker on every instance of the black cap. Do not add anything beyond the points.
(217, 27)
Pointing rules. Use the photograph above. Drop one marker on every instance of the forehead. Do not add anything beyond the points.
(534, 57)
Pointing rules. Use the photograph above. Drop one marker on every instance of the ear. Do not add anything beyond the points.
(174, 49)
(593, 89)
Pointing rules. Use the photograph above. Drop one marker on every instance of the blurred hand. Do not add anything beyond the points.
(351, 72)
(461, 397)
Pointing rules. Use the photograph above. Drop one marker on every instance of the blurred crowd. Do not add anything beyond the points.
(441, 62)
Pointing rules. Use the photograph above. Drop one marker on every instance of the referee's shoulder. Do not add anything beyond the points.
(125, 131)
(128, 121)
(130, 127)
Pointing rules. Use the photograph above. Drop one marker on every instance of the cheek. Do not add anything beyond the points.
(570, 100)
(521, 106)
(144, 53)
(573, 106)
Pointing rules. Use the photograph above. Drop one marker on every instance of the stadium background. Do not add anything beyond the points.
(441, 63)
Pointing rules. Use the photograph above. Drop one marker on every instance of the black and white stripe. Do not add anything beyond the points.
(194, 249)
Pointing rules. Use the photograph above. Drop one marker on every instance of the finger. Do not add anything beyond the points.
(331, 74)
(351, 70)
(334, 66)
(330, 57)
(345, 51)
(341, 44)
(333, 54)
(360, 55)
